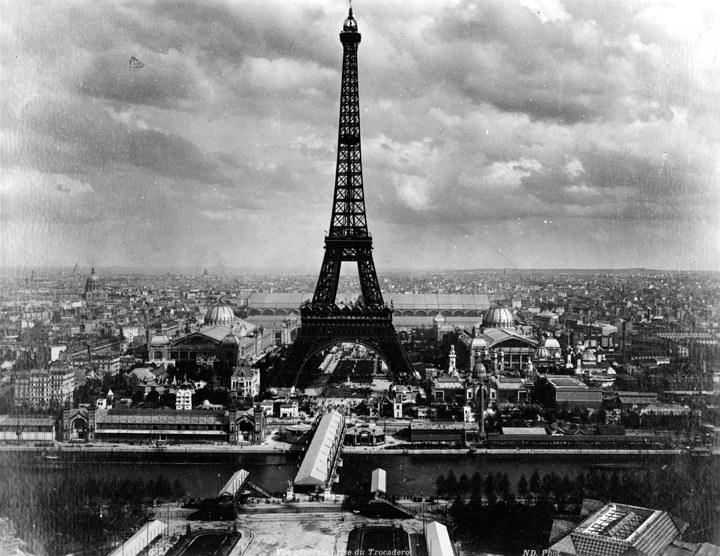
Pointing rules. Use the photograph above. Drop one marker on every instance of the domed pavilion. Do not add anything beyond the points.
(220, 343)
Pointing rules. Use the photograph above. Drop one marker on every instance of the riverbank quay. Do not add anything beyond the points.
(209, 449)
(60, 447)
(379, 450)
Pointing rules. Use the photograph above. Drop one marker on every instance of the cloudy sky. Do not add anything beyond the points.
(517, 134)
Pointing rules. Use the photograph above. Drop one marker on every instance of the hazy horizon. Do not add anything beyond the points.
(348, 269)
(592, 143)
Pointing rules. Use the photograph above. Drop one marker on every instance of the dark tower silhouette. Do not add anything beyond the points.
(369, 320)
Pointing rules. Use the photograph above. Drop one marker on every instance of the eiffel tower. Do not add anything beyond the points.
(368, 321)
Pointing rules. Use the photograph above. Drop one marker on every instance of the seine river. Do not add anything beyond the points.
(407, 474)
(202, 475)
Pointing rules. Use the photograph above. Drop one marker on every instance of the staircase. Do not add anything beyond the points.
(394, 505)
(260, 491)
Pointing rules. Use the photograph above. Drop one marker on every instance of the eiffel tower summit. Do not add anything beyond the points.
(368, 321)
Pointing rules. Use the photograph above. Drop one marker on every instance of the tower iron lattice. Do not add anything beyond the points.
(368, 321)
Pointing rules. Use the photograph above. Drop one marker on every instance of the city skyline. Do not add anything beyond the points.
(592, 143)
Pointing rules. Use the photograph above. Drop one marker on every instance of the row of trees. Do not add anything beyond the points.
(502, 527)
(58, 513)
(686, 489)
(548, 487)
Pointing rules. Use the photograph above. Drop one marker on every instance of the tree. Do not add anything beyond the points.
(489, 488)
(595, 483)
(463, 485)
(600, 416)
(565, 488)
(150, 489)
(615, 489)
(504, 487)
(163, 488)
(578, 492)
(440, 486)
(550, 484)
(451, 484)
(535, 482)
(458, 507)
(522, 487)
(138, 396)
(476, 484)
(168, 400)
(178, 490)
(153, 397)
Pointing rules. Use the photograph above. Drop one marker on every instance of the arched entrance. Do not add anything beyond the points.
(356, 359)
(246, 429)
(78, 428)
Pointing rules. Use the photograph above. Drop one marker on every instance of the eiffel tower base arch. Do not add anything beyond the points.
(372, 328)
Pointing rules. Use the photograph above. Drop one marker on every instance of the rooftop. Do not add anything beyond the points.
(159, 416)
(26, 420)
(314, 467)
(615, 528)
(566, 382)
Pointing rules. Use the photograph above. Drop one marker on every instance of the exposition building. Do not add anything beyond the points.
(221, 343)
(143, 426)
(409, 309)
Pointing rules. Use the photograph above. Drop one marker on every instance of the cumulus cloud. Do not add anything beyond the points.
(603, 119)
(165, 80)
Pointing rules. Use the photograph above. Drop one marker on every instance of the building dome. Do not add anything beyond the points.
(479, 370)
(220, 314)
(550, 343)
(159, 340)
(478, 343)
(93, 283)
(498, 316)
(230, 340)
(542, 353)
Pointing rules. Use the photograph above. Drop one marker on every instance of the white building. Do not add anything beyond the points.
(437, 540)
(44, 387)
(245, 381)
(183, 398)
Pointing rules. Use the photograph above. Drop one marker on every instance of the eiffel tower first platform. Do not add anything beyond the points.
(369, 320)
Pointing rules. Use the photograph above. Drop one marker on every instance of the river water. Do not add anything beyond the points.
(407, 474)
(415, 475)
